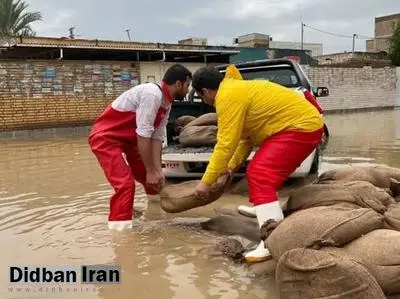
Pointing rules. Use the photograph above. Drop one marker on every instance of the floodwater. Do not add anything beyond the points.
(53, 211)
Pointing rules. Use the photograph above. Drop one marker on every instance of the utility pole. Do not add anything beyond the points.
(302, 34)
(129, 35)
(71, 32)
(354, 41)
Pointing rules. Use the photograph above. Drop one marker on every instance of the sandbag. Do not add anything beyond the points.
(378, 175)
(358, 193)
(379, 252)
(181, 197)
(308, 273)
(208, 119)
(318, 227)
(198, 136)
(182, 121)
(392, 217)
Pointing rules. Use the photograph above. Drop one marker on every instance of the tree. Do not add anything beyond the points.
(15, 20)
(394, 51)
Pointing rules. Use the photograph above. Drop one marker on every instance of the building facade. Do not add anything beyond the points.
(315, 49)
(384, 28)
(258, 40)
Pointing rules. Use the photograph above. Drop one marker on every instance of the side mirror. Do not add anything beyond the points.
(321, 92)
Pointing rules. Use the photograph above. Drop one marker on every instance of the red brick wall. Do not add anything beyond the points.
(54, 93)
(48, 112)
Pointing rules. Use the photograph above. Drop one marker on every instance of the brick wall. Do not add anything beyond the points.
(37, 94)
(355, 88)
(56, 111)
(33, 78)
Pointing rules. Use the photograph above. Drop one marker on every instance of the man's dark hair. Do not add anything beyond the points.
(206, 77)
(176, 72)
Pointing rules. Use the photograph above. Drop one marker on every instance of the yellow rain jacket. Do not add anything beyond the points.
(248, 112)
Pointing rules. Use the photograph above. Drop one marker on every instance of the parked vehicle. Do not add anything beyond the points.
(192, 162)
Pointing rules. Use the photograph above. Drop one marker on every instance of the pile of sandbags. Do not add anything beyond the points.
(340, 238)
(197, 132)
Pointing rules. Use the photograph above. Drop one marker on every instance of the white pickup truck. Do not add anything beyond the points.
(178, 162)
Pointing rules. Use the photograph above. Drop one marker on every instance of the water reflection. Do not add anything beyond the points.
(54, 205)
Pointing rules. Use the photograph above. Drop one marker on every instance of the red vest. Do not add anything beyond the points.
(121, 126)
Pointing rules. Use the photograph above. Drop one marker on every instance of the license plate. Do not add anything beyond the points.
(171, 165)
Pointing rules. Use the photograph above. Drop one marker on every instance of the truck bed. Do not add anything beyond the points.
(176, 149)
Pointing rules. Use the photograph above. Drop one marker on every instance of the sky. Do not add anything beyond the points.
(217, 20)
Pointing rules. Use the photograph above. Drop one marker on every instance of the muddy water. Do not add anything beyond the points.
(53, 211)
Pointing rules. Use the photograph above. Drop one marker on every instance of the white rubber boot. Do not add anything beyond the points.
(264, 212)
(247, 211)
(120, 225)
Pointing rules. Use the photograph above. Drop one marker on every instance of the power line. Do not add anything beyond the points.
(327, 32)
(359, 36)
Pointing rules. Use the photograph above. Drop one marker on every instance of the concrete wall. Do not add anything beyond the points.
(356, 88)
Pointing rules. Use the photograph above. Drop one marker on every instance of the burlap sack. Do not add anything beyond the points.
(318, 227)
(379, 252)
(392, 217)
(362, 194)
(198, 136)
(181, 197)
(208, 119)
(378, 175)
(182, 121)
(307, 273)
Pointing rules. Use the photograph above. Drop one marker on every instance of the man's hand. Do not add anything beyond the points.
(202, 191)
(229, 173)
(155, 179)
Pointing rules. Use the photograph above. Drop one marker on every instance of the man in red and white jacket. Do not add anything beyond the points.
(127, 140)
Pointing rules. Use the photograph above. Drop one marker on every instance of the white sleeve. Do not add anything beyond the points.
(146, 114)
(159, 132)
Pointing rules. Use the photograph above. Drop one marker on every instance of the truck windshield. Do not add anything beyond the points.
(283, 76)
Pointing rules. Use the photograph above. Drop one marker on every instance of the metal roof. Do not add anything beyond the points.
(49, 42)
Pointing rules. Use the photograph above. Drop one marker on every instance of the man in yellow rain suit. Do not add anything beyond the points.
(285, 126)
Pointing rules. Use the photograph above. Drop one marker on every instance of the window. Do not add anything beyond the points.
(283, 76)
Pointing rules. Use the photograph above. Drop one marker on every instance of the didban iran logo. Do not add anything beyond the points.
(69, 274)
